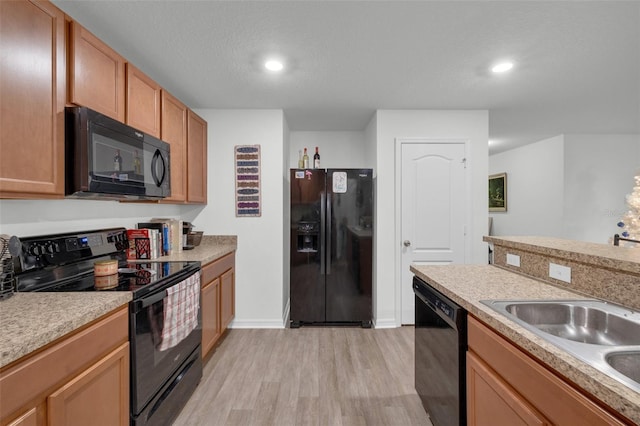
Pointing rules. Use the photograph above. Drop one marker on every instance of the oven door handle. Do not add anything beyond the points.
(150, 300)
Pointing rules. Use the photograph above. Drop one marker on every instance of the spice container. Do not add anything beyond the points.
(106, 282)
(103, 268)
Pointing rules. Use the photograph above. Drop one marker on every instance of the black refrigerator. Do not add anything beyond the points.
(331, 246)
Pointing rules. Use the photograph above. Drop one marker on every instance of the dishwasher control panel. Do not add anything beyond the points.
(434, 299)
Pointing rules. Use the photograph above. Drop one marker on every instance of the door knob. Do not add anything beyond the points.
(406, 243)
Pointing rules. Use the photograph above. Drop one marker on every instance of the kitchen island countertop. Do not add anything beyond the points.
(467, 285)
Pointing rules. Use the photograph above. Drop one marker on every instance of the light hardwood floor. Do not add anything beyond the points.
(309, 376)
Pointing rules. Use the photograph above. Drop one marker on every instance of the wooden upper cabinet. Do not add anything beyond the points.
(32, 100)
(174, 132)
(143, 102)
(196, 159)
(96, 74)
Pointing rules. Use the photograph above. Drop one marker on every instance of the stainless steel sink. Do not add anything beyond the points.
(604, 335)
(573, 321)
(627, 363)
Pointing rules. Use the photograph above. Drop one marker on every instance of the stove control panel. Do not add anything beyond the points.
(48, 250)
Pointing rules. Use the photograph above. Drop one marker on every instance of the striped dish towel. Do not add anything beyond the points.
(180, 311)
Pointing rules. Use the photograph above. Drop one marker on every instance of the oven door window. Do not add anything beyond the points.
(154, 359)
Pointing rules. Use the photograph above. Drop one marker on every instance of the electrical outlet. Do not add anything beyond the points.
(559, 272)
(513, 260)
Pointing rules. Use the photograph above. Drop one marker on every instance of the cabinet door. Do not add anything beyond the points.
(143, 102)
(210, 305)
(490, 401)
(30, 418)
(196, 159)
(32, 99)
(174, 132)
(96, 74)
(98, 396)
(227, 297)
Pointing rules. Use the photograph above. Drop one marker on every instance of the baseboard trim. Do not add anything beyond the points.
(385, 323)
(266, 323)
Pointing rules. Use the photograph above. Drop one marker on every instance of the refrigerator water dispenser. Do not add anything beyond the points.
(308, 237)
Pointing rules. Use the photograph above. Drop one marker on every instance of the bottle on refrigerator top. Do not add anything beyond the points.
(305, 160)
(117, 161)
(316, 159)
(300, 163)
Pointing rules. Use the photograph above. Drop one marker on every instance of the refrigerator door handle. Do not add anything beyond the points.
(323, 216)
(328, 230)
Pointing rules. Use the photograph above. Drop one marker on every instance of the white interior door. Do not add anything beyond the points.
(433, 211)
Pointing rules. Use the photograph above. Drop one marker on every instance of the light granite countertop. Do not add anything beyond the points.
(467, 285)
(604, 255)
(211, 247)
(33, 320)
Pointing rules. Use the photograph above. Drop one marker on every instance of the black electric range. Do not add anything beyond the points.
(161, 293)
(64, 262)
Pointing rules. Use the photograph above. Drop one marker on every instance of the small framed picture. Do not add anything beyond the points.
(498, 192)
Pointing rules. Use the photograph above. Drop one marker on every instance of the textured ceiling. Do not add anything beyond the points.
(577, 62)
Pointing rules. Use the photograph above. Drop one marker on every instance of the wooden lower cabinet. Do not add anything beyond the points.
(506, 386)
(30, 418)
(80, 380)
(492, 401)
(94, 397)
(217, 299)
(211, 330)
(227, 297)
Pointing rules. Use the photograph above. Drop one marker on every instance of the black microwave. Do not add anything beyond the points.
(108, 159)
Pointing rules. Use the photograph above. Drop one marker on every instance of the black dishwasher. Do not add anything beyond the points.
(440, 347)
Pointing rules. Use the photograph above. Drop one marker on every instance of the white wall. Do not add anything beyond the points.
(599, 171)
(371, 138)
(535, 189)
(39, 217)
(569, 186)
(259, 259)
(286, 223)
(337, 149)
(461, 125)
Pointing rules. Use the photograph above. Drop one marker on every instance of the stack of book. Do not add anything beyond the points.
(156, 238)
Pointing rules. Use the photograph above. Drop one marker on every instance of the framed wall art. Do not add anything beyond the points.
(498, 192)
(247, 167)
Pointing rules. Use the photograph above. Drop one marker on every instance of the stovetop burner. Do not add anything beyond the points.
(130, 277)
(69, 267)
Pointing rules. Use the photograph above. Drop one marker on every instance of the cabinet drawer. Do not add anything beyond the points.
(216, 268)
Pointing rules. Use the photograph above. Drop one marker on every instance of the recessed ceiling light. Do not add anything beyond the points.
(274, 65)
(502, 67)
